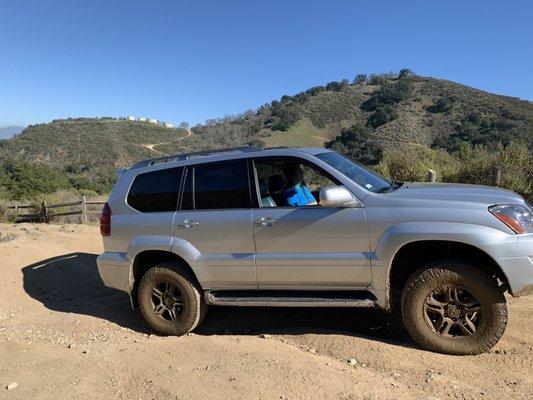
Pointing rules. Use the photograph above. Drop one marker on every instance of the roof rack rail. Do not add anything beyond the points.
(186, 156)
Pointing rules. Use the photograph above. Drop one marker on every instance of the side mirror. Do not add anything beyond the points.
(338, 196)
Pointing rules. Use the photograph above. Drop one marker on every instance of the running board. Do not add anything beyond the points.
(268, 298)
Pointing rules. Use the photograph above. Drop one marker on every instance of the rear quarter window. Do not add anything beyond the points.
(156, 191)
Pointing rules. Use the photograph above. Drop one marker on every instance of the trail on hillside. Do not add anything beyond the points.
(150, 146)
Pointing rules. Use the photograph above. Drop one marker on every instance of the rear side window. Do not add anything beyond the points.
(219, 186)
(156, 191)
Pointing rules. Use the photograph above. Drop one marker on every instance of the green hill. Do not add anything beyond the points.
(78, 153)
(424, 111)
(89, 142)
(381, 119)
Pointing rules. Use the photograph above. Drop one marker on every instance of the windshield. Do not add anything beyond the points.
(358, 173)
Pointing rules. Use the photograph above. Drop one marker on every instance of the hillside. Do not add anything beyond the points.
(428, 112)
(376, 115)
(88, 142)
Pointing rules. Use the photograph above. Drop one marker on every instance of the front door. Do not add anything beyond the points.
(215, 218)
(300, 244)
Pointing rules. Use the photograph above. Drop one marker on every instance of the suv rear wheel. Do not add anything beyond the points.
(170, 300)
(453, 308)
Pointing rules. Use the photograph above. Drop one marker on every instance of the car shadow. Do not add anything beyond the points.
(70, 283)
(368, 323)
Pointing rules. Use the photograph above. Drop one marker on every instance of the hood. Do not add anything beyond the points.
(457, 192)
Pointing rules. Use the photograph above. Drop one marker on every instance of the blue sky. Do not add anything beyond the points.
(189, 61)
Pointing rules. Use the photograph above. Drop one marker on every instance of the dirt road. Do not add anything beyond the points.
(63, 335)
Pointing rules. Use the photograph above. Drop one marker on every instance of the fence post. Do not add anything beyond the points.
(44, 212)
(496, 175)
(83, 210)
(431, 176)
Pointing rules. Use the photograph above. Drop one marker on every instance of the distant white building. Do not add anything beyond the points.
(142, 119)
(152, 121)
(130, 118)
(167, 125)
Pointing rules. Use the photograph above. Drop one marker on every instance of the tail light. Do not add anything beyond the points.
(105, 221)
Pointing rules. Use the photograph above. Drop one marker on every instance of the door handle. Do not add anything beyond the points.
(189, 224)
(266, 221)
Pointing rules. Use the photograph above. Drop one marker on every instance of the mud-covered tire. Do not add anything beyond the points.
(193, 308)
(419, 294)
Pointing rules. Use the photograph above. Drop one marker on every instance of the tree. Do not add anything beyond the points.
(283, 118)
(381, 116)
(183, 125)
(359, 79)
(357, 143)
(405, 73)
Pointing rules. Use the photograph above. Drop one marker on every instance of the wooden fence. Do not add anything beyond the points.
(46, 212)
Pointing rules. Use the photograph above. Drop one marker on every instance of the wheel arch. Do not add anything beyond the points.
(147, 259)
(415, 254)
(464, 241)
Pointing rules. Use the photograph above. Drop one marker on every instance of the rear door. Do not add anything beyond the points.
(215, 218)
(306, 247)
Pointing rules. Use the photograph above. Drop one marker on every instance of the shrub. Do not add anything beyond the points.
(389, 93)
(376, 79)
(516, 161)
(27, 180)
(257, 142)
(381, 116)
(315, 90)
(337, 86)
(443, 105)
(357, 143)
(488, 131)
(411, 164)
(471, 164)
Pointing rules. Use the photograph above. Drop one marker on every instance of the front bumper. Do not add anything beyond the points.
(114, 269)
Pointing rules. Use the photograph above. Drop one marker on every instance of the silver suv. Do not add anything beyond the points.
(310, 228)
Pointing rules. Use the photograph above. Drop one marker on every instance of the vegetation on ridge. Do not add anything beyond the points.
(401, 124)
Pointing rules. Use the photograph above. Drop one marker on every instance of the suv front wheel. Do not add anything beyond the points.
(453, 308)
(170, 300)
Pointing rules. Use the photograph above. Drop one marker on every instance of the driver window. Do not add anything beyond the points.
(289, 183)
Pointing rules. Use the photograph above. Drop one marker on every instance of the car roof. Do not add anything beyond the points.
(230, 153)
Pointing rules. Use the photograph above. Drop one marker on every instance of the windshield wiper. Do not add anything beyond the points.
(393, 186)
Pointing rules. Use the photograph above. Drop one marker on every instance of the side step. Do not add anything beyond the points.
(276, 298)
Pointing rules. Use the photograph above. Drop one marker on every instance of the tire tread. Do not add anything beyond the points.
(191, 292)
(443, 270)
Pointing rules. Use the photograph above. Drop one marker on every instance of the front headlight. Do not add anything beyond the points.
(516, 217)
